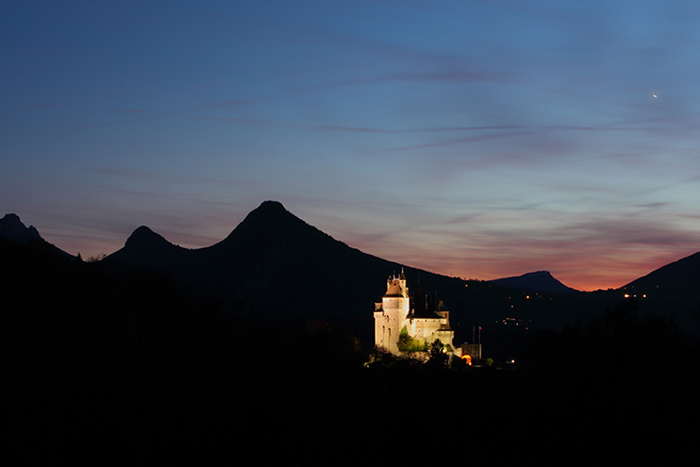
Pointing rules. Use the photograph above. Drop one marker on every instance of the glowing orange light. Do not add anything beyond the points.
(468, 359)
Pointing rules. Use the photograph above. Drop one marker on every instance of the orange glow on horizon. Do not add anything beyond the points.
(586, 276)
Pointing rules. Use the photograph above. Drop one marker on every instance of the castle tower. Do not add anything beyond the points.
(390, 314)
(422, 316)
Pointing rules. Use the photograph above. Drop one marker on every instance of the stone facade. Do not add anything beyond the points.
(421, 316)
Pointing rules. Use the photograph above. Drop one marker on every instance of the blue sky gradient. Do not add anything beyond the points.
(479, 139)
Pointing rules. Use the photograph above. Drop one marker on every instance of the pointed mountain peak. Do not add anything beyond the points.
(268, 211)
(271, 206)
(12, 227)
(145, 249)
(271, 222)
(11, 217)
(269, 215)
(143, 236)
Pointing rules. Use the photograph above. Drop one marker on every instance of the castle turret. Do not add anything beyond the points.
(423, 318)
(390, 315)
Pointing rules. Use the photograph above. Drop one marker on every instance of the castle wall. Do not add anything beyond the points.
(425, 328)
(391, 315)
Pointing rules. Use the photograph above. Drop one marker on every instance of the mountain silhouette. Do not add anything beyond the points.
(145, 249)
(673, 279)
(672, 290)
(273, 267)
(11, 227)
(146, 367)
(276, 268)
(540, 281)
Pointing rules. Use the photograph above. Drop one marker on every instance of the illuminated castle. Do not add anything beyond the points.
(421, 318)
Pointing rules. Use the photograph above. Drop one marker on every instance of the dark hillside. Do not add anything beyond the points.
(12, 228)
(127, 365)
(672, 291)
(275, 267)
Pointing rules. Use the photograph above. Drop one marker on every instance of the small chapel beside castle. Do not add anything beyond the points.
(419, 316)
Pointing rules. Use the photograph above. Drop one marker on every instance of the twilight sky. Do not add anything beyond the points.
(479, 139)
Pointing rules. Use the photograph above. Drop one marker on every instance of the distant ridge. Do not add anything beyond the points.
(12, 227)
(144, 240)
(272, 266)
(672, 290)
(677, 280)
(540, 281)
(276, 268)
(271, 219)
(145, 236)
